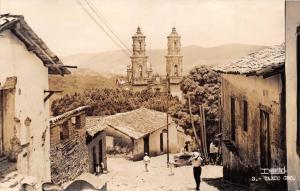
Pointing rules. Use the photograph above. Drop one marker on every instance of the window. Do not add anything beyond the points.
(176, 70)
(78, 122)
(141, 70)
(245, 115)
(232, 117)
(65, 131)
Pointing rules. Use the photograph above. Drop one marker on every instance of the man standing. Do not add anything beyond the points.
(213, 150)
(196, 162)
(146, 161)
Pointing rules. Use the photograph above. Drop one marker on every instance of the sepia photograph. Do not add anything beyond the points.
(149, 95)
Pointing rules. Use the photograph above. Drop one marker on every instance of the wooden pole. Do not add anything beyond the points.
(168, 92)
(204, 132)
(193, 126)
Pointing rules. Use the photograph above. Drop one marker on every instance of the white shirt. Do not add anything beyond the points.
(196, 161)
(146, 159)
(213, 148)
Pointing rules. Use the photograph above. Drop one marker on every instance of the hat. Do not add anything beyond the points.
(196, 154)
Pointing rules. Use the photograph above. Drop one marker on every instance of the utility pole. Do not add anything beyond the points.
(168, 93)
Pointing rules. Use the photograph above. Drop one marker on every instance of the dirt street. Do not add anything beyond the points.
(126, 175)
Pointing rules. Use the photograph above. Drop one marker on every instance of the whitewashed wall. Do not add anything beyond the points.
(32, 80)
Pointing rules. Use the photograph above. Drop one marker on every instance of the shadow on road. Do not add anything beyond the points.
(221, 185)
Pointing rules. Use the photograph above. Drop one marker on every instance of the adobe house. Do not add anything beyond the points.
(69, 152)
(253, 117)
(96, 143)
(141, 130)
(73, 150)
(293, 96)
(25, 62)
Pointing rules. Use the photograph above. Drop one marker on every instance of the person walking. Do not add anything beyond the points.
(196, 162)
(146, 161)
(213, 150)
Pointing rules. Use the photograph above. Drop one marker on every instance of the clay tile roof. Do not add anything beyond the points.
(135, 124)
(56, 119)
(263, 62)
(18, 26)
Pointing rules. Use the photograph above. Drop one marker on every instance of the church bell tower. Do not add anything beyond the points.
(174, 57)
(139, 72)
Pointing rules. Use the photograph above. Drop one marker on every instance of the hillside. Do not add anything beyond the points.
(79, 81)
(115, 62)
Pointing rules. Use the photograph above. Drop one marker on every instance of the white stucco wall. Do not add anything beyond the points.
(32, 80)
(293, 159)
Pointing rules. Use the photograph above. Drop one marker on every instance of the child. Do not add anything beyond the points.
(146, 161)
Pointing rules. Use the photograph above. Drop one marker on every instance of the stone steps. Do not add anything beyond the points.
(6, 166)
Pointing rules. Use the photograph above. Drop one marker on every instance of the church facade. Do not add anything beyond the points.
(140, 75)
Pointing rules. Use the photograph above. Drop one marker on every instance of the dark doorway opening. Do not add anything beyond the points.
(265, 149)
(146, 144)
(161, 142)
(94, 159)
(100, 153)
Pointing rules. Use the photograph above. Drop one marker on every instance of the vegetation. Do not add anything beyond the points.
(202, 85)
(77, 83)
(111, 101)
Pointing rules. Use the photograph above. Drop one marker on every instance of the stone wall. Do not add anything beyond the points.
(69, 159)
(293, 156)
(260, 94)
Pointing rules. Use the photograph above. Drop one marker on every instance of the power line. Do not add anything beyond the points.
(106, 23)
(101, 27)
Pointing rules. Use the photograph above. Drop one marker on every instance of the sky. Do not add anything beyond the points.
(68, 30)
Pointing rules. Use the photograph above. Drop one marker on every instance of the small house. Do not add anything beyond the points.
(73, 151)
(139, 131)
(25, 62)
(78, 151)
(253, 117)
(69, 152)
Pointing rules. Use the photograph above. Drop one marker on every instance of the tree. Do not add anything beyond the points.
(111, 101)
(203, 86)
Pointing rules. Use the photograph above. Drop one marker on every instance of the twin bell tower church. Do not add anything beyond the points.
(139, 73)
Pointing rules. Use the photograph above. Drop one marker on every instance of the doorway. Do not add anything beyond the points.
(265, 149)
(100, 153)
(161, 142)
(94, 159)
(146, 144)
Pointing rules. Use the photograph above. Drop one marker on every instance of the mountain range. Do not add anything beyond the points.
(115, 62)
(100, 70)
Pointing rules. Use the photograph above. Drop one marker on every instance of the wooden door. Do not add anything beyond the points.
(265, 150)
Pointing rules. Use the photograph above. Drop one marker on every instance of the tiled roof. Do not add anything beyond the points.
(56, 119)
(135, 124)
(17, 25)
(263, 62)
